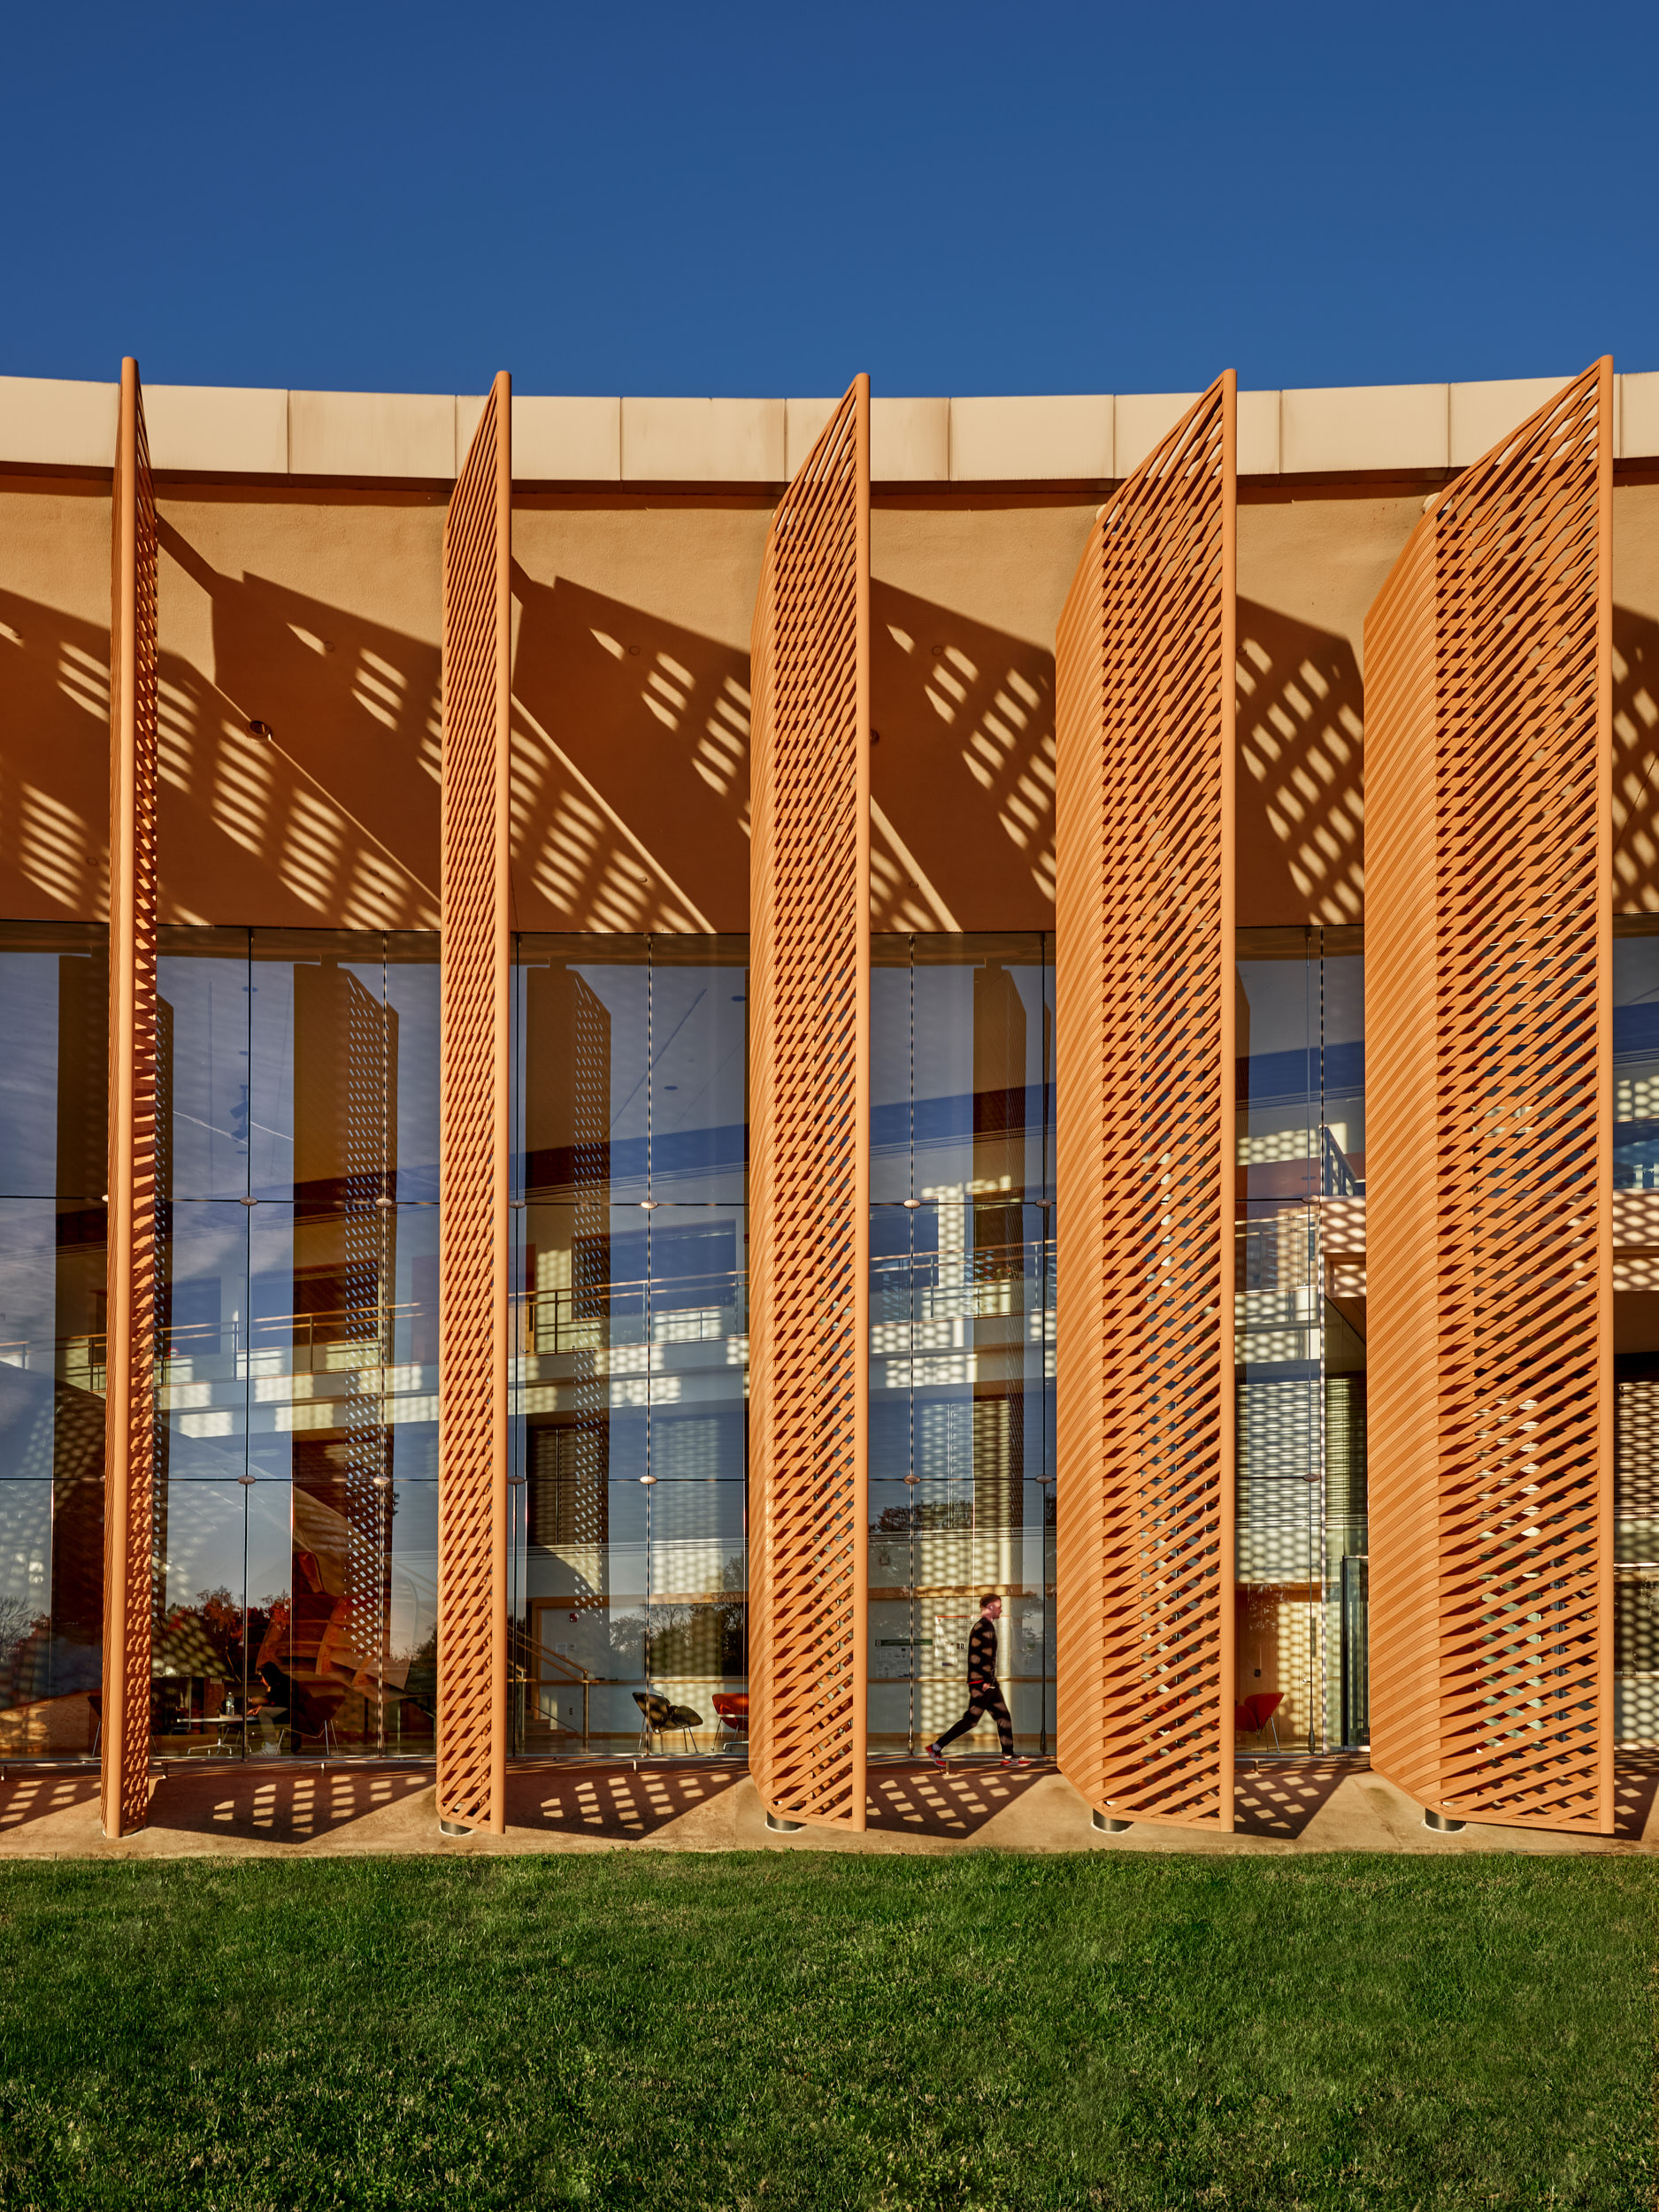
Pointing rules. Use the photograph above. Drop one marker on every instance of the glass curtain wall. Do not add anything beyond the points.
(296, 1477)
(296, 1460)
(1301, 1594)
(629, 1568)
(1636, 1328)
(54, 992)
(962, 1330)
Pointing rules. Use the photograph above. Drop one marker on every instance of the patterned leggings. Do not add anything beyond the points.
(983, 1697)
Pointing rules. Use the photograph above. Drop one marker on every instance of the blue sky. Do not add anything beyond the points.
(746, 199)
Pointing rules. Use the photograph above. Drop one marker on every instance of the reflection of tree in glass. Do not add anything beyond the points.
(421, 1684)
(216, 1638)
(21, 1634)
(688, 1640)
(900, 1520)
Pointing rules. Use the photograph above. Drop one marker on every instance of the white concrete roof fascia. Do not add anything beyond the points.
(554, 441)
(565, 441)
(703, 440)
(1141, 418)
(46, 422)
(1258, 434)
(372, 433)
(803, 426)
(1069, 435)
(217, 430)
(220, 430)
(1638, 426)
(1363, 426)
(1482, 416)
(909, 441)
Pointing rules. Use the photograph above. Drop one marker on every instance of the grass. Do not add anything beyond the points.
(768, 2032)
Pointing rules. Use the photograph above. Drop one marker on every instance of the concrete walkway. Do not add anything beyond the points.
(290, 1808)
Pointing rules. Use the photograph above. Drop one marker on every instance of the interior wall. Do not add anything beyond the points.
(319, 614)
(1636, 697)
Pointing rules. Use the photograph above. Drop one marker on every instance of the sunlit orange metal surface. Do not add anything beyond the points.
(129, 1433)
(1488, 1136)
(473, 1105)
(809, 1136)
(1144, 1023)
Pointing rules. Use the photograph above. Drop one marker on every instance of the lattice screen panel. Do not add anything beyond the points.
(1488, 1102)
(809, 1136)
(1143, 1021)
(473, 1105)
(129, 1433)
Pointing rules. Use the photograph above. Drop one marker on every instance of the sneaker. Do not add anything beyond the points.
(938, 1757)
(1015, 1762)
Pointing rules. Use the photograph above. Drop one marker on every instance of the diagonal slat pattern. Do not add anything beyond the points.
(1143, 1018)
(1488, 773)
(473, 1105)
(809, 1137)
(129, 1431)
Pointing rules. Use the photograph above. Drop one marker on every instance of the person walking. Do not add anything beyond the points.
(985, 1693)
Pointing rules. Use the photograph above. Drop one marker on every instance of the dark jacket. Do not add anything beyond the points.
(982, 1651)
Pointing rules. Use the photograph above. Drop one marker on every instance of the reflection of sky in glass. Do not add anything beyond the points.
(30, 985)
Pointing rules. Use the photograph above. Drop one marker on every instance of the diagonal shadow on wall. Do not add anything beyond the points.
(630, 767)
(337, 821)
(1300, 805)
(961, 776)
(1635, 762)
(54, 764)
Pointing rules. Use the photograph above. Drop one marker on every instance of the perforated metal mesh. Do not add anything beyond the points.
(1489, 969)
(130, 1402)
(809, 1136)
(472, 1314)
(1144, 996)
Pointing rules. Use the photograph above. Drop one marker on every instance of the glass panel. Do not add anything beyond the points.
(584, 1017)
(961, 1331)
(45, 1670)
(412, 991)
(1635, 1110)
(699, 1072)
(203, 1382)
(204, 1061)
(54, 1083)
(1300, 1342)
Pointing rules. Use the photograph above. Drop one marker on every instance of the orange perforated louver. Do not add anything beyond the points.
(1143, 1022)
(473, 1112)
(129, 1413)
(809, 1136)
(1488, 1141)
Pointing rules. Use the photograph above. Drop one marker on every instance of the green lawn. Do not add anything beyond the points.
(771, 2030)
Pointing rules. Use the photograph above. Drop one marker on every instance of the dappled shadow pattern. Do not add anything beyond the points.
(262, 1802)
(1635, 762)
(27, 1798)
(1282, 1797)
(630, 768)
(1635, 1785)
(1300, 791)
(962, 779)
(609, 1800)
(919, 1800)
(333, 822)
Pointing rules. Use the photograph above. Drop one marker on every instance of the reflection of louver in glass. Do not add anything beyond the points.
(345, 1164)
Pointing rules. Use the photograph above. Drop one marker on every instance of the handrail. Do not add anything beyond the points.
(522, 1678)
